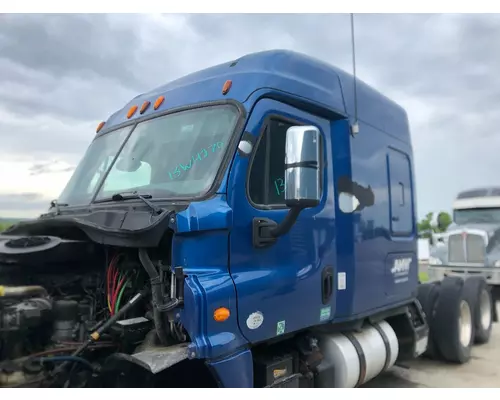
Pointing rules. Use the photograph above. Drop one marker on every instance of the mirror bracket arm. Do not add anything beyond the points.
(287, 223)
(266, 231)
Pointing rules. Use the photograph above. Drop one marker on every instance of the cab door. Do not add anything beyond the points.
(289, 284)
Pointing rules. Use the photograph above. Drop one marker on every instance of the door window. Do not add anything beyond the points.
(266, 184)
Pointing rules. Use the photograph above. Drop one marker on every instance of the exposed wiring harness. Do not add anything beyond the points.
(116, 283)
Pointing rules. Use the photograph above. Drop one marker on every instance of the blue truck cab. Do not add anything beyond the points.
(239, 233)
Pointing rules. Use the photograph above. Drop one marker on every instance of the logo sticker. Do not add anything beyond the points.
(325, 313)
(280, 328)
(400, 269)
(255, 320)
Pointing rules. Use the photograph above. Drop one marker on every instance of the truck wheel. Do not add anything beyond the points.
(453, 321)
(428, 294)
(479, 294)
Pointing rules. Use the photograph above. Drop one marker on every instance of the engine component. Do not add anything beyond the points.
(96, 335)
(160, 303)
(21, 291)
(65, 320)
(18, 321)
(13, 375)
(85, 313)
(25, 314)
(48, 309)
(132, 330)
(43, 250)
(351, 359)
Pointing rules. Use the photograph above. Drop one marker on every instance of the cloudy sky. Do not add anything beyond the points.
(61, 75)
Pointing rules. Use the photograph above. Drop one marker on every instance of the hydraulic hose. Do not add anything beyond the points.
(22, 291)
(65, 359)
(156, 294)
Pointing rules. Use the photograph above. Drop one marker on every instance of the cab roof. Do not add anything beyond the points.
(281, 70)
(486, 191)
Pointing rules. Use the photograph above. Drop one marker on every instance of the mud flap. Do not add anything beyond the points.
(495, 293)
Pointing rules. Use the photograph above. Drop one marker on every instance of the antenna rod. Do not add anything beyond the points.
(355, 127)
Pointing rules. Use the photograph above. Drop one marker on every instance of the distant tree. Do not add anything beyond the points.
(426, 227)
(444, 220)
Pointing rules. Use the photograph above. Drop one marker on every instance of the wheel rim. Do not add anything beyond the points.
(465, 324)
(485, 309)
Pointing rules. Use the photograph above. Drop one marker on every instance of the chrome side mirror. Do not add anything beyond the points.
(302, 183)
(302, 167)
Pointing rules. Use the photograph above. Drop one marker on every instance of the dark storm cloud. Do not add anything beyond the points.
(61, 74)
(44, 137)
(80, 45)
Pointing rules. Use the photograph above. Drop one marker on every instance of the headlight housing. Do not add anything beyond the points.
(435, 261)
(497, 263)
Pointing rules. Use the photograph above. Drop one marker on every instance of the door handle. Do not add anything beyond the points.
(326, 284)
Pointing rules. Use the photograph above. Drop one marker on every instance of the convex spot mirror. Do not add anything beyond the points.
(302, 167)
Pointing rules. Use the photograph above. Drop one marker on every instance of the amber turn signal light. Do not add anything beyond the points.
(99, 127)
(144, 106)
(227, 87)
(159, 102)
(131, 111)
(221, 314)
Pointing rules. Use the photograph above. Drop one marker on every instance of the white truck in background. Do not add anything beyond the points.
(470, 246)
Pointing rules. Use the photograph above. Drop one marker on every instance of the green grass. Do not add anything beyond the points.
(423, 277)
(4, 226)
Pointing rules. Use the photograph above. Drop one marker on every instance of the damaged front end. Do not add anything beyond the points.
(81, 295)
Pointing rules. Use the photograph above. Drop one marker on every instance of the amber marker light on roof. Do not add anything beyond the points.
(131, 111)
(99, 127)
(144, 107)
(159, 102)
(221, 314)
(227, 87)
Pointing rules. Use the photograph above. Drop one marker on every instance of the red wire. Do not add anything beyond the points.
(108, 280)
(112, 274)
(115, 294)
(115, 282)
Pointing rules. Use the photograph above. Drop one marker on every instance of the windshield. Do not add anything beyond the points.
(174, 156)
(477, 215)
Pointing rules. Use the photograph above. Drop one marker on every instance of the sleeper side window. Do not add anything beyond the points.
(267, 174)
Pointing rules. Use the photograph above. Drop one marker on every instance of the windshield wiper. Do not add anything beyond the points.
(135, 195)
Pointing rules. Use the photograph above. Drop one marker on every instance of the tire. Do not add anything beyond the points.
(453, 322)
(428, 294)
(479, 293)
